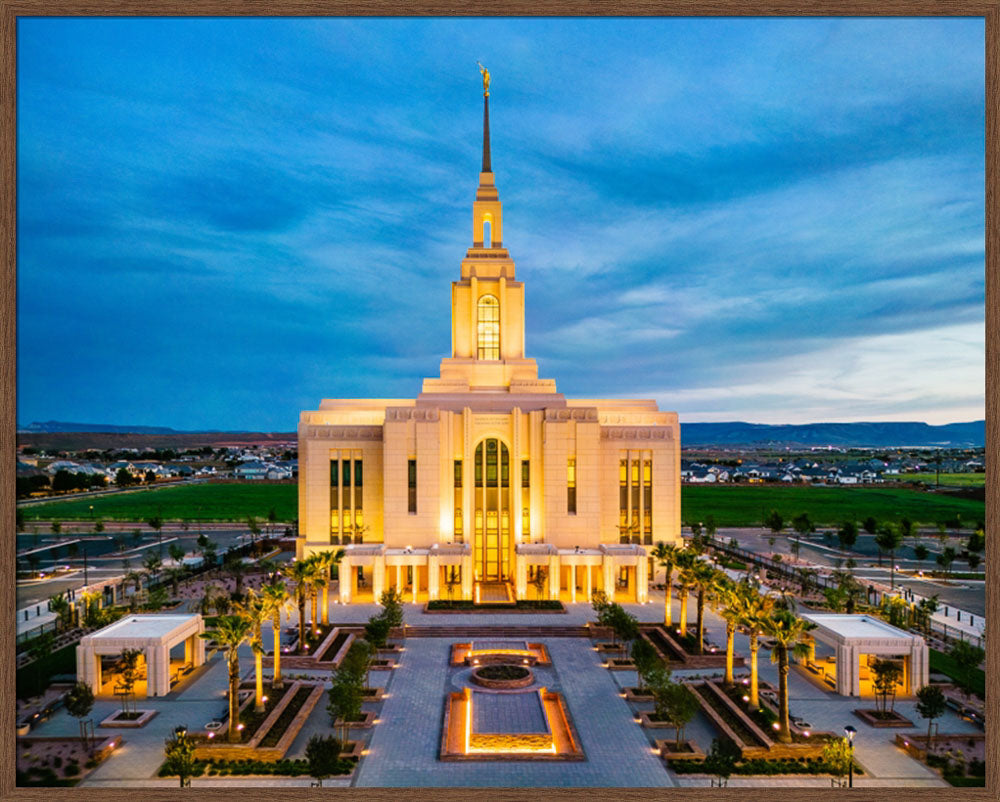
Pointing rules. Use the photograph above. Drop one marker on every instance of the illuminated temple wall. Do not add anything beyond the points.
(593, 466)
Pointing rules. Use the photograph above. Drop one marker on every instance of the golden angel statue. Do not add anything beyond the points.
(486, 79)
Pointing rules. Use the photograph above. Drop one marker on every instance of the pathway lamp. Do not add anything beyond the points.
(850, 732)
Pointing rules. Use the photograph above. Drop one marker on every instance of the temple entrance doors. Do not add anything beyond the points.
(491, 556)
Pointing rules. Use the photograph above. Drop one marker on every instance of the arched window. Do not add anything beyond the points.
(489, 327)
(487, 233)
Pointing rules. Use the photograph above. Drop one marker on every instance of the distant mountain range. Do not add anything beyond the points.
(878, 435)
(734, 433)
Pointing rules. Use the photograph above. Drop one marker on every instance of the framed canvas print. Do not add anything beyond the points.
(667, 472)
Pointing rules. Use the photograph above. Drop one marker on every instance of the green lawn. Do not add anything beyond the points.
(731, 506)
(947, 479)
(942, 663)
(747, 505)
(207, 502)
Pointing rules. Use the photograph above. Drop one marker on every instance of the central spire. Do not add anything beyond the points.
(486, 118)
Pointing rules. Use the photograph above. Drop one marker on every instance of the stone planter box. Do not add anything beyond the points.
(367, 722)
(145, 716)
(357, 747)
(620, 664)
(376, 695)
(645, 721)
(604, 648)
(632, 696)
(868, 717)
(668, 750)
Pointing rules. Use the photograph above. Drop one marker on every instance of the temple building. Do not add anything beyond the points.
(489, 485)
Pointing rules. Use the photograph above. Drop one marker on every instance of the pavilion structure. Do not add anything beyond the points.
(154, 635)
(858, 640)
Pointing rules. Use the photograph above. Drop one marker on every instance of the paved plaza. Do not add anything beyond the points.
(404, 744)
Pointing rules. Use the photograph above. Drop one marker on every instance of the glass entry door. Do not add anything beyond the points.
(491, 555)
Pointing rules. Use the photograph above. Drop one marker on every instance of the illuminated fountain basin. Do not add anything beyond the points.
(502, 676)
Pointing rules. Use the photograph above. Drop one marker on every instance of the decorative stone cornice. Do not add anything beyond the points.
(637, 433)
(412, 413)
(572, 413)
(344, 432)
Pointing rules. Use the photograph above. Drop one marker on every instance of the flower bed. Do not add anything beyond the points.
(331, 651)
(279, 727)
(503, 676)
(138, 718)
(248, 766)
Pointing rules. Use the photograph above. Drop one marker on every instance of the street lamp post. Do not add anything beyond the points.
(850, 732)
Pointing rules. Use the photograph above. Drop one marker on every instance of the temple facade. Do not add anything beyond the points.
(490, 484)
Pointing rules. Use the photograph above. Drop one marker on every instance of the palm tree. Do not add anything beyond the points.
(59, 604)
(788, 632)
(275, 596)
(728, 596)
(175, 573)
(230, 633)
(666, 556)
(706, 580)
(299, 573)
(754, 609)
(254, 609)
(326, 560)
(176, 552)
(686, 581)
(153, 564)
(319, 579)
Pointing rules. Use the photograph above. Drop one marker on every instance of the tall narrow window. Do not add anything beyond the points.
(525, 473)
(487, 234)
(489, 327)
(571, 487)
(458, 473)
(647, 502)
(458, 527)
(411, 469)
(526, 524)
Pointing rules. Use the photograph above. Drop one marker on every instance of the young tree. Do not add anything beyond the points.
(179, 752)
(377, 631)
(129, 675)
(973, 559)
(323, 755)
(675, 703)
(889, 539)
(774, 521)
(79, 703)
(710, 526)
(847, 534)
(946, 558)
(803, 524)
(885, 675)
(721, 759)
(392, 607)
(59, 604)
(56, 527)
(176, 552)
(920, 551)
(155, 522)
(931, 704)
(968, 658)
(539, 579)
(345, 699)
(870, 525)
(647, 661)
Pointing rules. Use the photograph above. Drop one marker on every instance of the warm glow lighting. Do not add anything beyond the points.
(776, 725)
(746, 698)
(239, 726)
(211, 735)
(263, 698)
(806, 733)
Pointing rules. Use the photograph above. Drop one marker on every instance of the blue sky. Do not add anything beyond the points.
(221, 222)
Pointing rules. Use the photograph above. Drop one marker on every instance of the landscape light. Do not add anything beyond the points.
(776, 725)
(746, 698)
(239, 726)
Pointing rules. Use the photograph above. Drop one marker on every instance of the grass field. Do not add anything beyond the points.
(746, 506)
(205, 502)
(947, 479)
(731, 506)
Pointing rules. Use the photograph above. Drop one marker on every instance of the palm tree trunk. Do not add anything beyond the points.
(234, 696)
(754, 647)
(325, 611)
(276, 677)
(784, 733)
(258, 659)
(701, 621)
(315, 615)
(302, 622)
(684, 613)
(892, 570)
(668, 618)
(730, 637)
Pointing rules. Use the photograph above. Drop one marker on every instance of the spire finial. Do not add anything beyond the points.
(486, 119)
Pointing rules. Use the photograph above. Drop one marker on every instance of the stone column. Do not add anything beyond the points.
(467, 577)
(157, 670)
(416, 582)
(572, 583)
(189, 649)
(433, 577)
(199, 650)
(520, 576)
(608, 565)
(641, 579)
(554, 578)
(587, 569)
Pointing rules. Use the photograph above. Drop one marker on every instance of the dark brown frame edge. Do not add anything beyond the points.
(10, 10)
